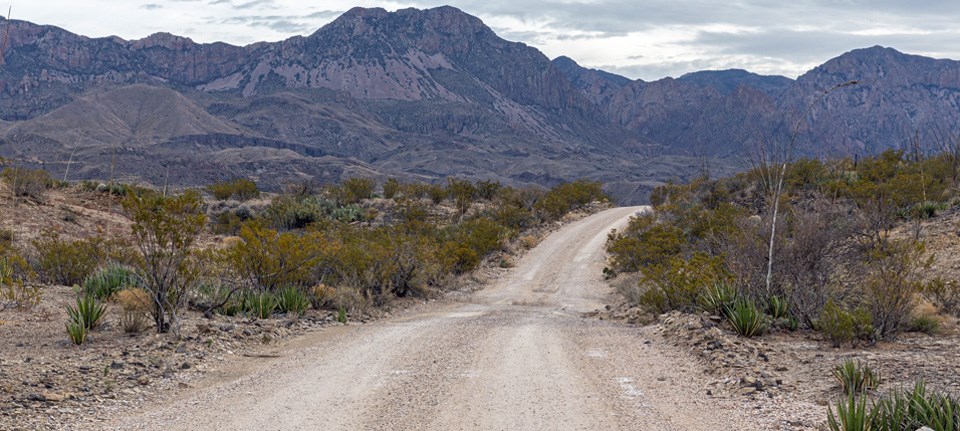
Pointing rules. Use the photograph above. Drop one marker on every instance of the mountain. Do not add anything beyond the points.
(422, 94)
(597, 85)
(426, 94)
(897, 98)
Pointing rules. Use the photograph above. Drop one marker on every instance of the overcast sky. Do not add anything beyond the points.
(646, 39)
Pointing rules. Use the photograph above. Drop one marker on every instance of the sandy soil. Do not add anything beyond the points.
(516, 355)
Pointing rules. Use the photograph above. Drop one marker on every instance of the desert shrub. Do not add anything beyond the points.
(944, 294)
(487, 190)
(67, 262)
(569, 196)
(855, 377)
(292, 300)
(260, 305)
(165, 230)
(288, 212)
(15, 290)
(353, 190)
(529, 241)
(469, 242)
(241, 189)
(322, 297)
(677, 283)
(109, 280)
(390, 188)
(643, 243)
(132, 322)
(414, 191)
(437, 193)
(894, 283)
(746, 318)
(27, 182)
(87, 311)
(267, 260)
(6, 238)
(348, 214)
(135, 299)
(513, 217)
(840, 326)
(926, 324)
(463, 193)
(228, 222)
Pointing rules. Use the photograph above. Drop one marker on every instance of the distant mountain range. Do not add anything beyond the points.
(426, 94)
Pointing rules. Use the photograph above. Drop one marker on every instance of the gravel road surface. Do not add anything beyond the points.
(517, 355)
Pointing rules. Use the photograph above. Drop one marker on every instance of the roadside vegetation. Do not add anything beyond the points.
(341, 247)
(849, 263)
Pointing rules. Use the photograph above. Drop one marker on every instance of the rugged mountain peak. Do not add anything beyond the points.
(163, 40)
(728, 81)
(597, 85)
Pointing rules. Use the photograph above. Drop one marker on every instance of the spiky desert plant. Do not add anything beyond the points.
(746, 318)
(855, 377)
(292, 300)
(852, 415)
(88, 311)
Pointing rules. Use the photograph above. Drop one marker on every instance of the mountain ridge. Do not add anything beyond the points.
(433, 93)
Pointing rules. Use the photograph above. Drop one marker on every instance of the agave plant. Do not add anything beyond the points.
(746, 318)
(717, 298)
(292, 301)
(852, 415)
(87, 312)
(856, 378)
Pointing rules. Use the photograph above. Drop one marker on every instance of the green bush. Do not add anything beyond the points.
(841, 326)
(929, 325)
(241, 189)
(288, 212)
(944, 294)
(569, 196)
(67, 262)
(855, 378)
(27, 182)
(353, 190)
(746, 319)
(15, 288)
(390, 188)
(437, 193)
(678, 283)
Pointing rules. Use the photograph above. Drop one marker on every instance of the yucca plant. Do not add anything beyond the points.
(746, 318)
(292, 301)
(87, 312)
(855, 377)
(717, 298)
(107, 281)
(902, 410)
(852, 415)
(260, 305)
(77, 332)
(778, 308)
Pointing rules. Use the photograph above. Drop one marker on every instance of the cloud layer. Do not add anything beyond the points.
(646, 39)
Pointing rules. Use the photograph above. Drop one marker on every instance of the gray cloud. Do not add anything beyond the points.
(151, 6)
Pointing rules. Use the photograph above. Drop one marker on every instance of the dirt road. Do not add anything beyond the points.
(515, 356)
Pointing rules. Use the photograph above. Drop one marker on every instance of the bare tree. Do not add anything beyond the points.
(774, 172)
